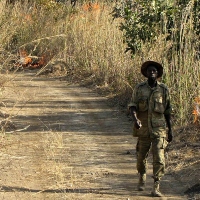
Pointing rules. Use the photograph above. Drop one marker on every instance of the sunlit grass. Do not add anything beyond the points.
(93, 48)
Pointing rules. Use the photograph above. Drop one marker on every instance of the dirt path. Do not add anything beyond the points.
(76, 147)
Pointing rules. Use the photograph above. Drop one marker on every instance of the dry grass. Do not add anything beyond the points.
(92, 48)
(59, 173)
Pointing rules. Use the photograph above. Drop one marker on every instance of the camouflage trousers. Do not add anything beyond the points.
(157, 147)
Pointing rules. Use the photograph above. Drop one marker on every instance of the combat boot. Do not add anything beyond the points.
(142, 182)
(156, 192)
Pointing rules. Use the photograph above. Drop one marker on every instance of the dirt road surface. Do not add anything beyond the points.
(74, 146)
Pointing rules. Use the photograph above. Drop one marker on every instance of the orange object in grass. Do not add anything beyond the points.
(196, 111)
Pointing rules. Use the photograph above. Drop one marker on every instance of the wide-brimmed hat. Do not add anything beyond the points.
(148, 63)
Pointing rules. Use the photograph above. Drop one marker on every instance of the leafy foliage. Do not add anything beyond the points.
(144, 20)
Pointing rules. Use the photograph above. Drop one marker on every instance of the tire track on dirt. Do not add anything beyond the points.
(76, 146)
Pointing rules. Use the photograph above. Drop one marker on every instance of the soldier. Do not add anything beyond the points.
(150, 108)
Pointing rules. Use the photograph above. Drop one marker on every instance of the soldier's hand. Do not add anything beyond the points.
(170, 136)
(138, 124)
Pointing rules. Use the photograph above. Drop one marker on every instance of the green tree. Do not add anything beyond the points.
(144, 20)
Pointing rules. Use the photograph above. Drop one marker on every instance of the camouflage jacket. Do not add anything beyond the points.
(151, 104)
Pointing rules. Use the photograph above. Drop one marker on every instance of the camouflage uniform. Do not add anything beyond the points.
(151, 104)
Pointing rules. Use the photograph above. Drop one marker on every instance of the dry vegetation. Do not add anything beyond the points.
(89, 43)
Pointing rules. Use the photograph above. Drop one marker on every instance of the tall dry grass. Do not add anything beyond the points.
(92, 46)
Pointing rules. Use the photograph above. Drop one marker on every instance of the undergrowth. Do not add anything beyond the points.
(90, 42)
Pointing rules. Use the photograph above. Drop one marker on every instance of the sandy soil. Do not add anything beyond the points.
(75, 146)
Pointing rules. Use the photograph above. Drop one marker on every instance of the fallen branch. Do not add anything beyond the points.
(38, 40)
(18, 130)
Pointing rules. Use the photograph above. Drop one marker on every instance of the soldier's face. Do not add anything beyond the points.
(152, 72)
